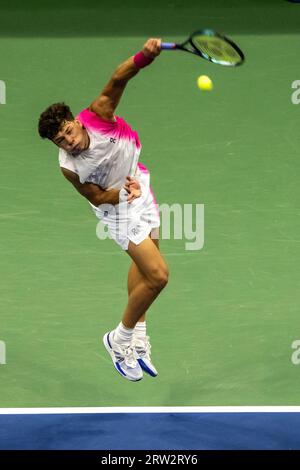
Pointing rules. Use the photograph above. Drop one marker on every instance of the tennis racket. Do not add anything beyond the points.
(210, 46)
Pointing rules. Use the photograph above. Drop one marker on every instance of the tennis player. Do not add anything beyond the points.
(98, 154)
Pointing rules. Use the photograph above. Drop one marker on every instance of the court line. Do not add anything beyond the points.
(18, 214)
(151, 409)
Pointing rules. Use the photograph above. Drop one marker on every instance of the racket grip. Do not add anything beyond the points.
(168, 45)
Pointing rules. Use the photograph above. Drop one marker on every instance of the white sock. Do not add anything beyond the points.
(122, 334)
(140, 329)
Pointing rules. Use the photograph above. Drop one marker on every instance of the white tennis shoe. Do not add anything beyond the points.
(142, 347)
(125, 358)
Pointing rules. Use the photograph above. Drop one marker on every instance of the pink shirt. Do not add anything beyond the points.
(112, 155)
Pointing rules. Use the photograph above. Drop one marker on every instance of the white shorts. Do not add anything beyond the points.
(131, 222)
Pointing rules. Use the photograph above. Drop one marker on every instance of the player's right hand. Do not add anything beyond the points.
(152, 48)
(133, 189)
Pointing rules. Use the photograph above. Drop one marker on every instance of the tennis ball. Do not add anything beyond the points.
(204, 83)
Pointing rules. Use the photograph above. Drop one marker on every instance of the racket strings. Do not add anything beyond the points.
(217, 49)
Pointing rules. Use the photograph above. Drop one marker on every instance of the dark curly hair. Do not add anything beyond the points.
(52, 119)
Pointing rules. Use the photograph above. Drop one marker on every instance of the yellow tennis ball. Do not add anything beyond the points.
(204, 83)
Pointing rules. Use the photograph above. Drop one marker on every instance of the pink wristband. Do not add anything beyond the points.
(141, 60)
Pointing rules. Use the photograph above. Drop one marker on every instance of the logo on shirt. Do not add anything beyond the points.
(113, 141)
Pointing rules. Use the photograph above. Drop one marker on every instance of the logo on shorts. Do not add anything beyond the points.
(113, 141)
(135, 230)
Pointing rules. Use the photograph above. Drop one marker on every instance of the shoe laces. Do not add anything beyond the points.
(127, 354)
(142, 346)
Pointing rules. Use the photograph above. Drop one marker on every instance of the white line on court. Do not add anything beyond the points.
(152, 409)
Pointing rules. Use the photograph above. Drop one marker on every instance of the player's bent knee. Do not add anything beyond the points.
(159, 278)
(164, 280)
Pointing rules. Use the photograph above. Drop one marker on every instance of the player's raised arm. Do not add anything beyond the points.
(109, 98)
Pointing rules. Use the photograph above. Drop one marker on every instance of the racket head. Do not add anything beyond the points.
(216, 48)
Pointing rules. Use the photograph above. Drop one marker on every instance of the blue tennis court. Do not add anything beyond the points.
(146, 431)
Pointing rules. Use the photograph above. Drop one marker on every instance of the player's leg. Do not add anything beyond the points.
(154, 272)
(134, 274)
(140, 339)
(135, 277)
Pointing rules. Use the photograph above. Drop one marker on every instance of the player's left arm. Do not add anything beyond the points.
(110, 96)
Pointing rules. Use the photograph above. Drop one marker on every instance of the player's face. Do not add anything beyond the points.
(72, 137)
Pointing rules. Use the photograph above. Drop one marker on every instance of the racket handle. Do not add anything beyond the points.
(168, 45)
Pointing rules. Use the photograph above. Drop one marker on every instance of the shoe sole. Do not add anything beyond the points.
(146, 369)
(119, 370)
